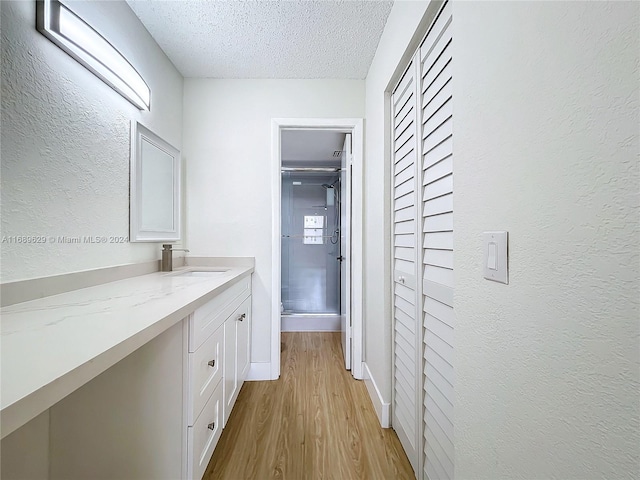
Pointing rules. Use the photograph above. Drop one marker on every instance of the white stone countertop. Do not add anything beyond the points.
(53, 345)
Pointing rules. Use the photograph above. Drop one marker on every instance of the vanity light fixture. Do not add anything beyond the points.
(81, 41)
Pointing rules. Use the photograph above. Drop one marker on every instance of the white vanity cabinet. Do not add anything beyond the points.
(218, 345)
(159, 412)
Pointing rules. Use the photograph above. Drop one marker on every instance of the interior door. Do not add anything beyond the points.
(345, 251)
(407, 373)
(437, 219)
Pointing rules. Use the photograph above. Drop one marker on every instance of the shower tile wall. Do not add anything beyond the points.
(310, 272)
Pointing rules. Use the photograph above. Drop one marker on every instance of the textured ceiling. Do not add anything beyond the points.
(266, 38)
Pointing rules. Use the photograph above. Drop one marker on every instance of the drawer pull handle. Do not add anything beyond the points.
(242, 317)
(211, 426)
(211, 363)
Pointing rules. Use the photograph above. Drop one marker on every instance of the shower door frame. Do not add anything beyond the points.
(354, 126)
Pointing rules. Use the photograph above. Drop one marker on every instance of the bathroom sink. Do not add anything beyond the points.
(213, 272)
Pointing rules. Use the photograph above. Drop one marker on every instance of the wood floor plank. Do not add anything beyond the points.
(314, 422)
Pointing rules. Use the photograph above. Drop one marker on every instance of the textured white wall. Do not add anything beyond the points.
(546, 147)
(227, 139)
(396, 40)
(65, 141)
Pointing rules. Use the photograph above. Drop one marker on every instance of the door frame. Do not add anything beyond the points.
(354, 126)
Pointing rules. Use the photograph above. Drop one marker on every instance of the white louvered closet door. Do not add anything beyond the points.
(406, 306)
(437, 255)
(423, 315)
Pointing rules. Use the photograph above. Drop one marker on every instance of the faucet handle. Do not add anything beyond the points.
(167, 247)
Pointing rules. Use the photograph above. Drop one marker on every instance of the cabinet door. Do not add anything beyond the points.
(243, 349)
(236, 354)
(230, 379)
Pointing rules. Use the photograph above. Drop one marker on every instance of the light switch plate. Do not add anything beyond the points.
(495, 257)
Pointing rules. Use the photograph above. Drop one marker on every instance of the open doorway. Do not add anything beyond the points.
(311, 225)
(317, 232)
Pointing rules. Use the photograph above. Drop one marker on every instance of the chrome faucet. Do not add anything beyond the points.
(167, 257)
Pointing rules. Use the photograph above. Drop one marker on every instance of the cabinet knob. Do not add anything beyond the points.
(242, 317)
(211, 426)
(211, 363)
(401, 279)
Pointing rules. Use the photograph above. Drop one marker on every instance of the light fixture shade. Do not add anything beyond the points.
(81, 41)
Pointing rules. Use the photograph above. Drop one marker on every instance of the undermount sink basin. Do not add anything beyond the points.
(201, 273)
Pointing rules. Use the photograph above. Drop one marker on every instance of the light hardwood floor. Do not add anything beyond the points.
(315, 422)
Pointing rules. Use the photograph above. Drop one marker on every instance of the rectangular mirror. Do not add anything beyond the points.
(154, 207)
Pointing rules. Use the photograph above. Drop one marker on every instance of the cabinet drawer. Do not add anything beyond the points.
(206, 319)
(203, 436)
(205, 372)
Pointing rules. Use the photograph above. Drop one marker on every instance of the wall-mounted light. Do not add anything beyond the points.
(76, 37)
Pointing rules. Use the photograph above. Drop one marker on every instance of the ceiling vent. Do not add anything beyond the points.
(337, 153)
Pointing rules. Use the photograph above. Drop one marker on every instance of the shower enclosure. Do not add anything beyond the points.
(310, 269)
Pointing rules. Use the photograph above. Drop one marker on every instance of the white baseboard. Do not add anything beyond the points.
(309, 323)
(259, 372)
(382, 408)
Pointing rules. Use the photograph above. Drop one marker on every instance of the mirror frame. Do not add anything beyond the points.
(140, 133)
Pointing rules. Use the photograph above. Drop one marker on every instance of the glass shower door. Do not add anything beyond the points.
(310, 244)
